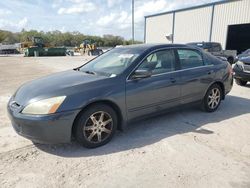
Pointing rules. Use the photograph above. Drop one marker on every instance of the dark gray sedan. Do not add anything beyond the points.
(90, 102)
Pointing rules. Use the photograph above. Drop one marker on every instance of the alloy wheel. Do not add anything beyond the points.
(214, 98)
(98, 127)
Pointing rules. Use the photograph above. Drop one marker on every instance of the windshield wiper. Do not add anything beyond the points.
(90, 72)
(76, 69)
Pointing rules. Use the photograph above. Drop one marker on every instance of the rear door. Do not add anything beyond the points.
(158, 92)
(196, 75)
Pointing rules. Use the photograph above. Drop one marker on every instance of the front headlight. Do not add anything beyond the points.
(240, 65)
(45, 106)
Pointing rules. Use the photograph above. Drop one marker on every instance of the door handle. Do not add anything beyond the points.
(172, 80)
(210, 72)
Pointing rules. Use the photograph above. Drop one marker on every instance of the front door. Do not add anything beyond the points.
(155, 93)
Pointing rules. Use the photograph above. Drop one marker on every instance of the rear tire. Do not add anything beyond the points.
(212, 99)
(95, 126)
(240, 82)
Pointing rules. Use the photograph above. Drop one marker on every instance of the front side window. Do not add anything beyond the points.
(190, 59)
(159, 62)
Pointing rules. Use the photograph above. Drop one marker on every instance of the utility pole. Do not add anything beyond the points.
(133, 21)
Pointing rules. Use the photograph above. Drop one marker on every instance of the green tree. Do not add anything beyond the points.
(57, 38)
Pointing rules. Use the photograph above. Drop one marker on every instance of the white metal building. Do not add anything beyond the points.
(227, 22)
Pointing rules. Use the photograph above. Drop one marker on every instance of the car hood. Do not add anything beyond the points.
(57, 84)
(243, 56)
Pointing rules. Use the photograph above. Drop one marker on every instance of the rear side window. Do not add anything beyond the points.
(190, 59)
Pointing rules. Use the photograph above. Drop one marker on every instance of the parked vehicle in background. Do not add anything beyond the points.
(9, 48)
(89, 47)
(37, 47)
(246, 53)
(215, 49)
(126, 83)
(242, 71)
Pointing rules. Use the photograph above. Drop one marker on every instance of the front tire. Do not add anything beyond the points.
(95, 126)
(240, 82)
(212, 98)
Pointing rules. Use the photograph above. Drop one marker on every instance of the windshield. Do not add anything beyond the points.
(111, 63)
(246, 52)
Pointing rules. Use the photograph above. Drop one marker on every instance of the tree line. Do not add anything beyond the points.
(58, 38)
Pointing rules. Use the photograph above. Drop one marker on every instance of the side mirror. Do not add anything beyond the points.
(141, 73)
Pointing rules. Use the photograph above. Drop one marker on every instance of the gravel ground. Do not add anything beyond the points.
(188, 148)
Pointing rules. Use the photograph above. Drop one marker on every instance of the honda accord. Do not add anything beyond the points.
(91, 102)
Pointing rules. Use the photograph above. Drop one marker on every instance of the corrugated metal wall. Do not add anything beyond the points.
(192, 25)
(158, 27)
(237, 12)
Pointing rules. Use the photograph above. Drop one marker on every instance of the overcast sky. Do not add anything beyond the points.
(96, 17)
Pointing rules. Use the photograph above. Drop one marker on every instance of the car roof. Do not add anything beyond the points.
(144, 47)
(203, 43)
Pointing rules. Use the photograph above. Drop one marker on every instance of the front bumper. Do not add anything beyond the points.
(53, 128)
(242, 75)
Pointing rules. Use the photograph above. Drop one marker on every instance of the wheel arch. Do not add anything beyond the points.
(113, 105)
(222, 88)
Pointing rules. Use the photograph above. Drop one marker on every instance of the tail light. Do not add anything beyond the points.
(230, 70)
